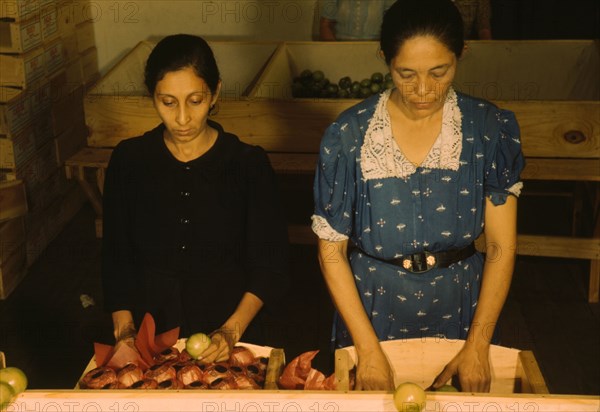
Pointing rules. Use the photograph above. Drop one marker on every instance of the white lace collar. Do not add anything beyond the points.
(381, 157)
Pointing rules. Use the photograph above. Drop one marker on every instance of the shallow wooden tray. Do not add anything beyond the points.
(274, 367)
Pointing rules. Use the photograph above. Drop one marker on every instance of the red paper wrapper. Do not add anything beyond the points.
(299, 374)
(147, 344)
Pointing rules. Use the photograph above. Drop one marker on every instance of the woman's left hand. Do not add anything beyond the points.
(221, 345)
(473, 369)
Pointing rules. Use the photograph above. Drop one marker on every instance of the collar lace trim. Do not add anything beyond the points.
(381, 157)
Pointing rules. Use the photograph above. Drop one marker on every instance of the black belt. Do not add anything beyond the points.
(423, 261)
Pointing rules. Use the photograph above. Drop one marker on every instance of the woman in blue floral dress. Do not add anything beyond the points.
(406, 182)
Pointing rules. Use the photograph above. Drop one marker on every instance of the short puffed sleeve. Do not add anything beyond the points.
(504, 160)
(334, 186)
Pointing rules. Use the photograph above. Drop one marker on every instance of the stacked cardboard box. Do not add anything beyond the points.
(13, 252)
(47, 59)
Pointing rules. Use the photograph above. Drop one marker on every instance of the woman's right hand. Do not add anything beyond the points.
(123, 326)
(374, 372)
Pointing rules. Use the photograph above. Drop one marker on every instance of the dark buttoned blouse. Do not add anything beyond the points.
(185, 240)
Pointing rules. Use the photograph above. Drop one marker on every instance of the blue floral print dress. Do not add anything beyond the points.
(368, 192)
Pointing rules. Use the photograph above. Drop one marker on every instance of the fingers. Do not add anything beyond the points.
(443, 377)
(217, 351)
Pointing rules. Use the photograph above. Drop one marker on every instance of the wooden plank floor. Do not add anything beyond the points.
(45, 330)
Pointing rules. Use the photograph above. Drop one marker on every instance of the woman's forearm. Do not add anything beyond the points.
(501, 245)
(246, 310)
(340, 282)
(123, 325)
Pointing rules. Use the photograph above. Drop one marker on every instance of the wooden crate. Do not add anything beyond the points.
(65, 17)
(70, 142)
(553, 110)
(45, 222)
(54, 58)
(85, 36)
(274, 367)
(421, 360)
(70, 47)
(13, 207)
(38, 168)
(19, 9)
(12, 253)
(16, 151)
(118, 107)
(12, 236)
(20, 37)
(20, 109)
(29, 69)
(49, 22)
(13, 201)
(12, 270)
(89, 66)
(67, 110)
(22, 70)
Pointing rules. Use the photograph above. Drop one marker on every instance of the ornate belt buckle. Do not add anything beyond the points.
(419, 262)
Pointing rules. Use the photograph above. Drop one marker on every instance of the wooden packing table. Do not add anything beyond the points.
(517, 385)
(198, 400)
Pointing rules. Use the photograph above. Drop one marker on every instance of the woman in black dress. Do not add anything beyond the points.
(193, 229)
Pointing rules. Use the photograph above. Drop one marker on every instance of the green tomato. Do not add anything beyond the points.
(365, 92)
(322, 84)
(196, 344)
(6, 395)
(306, 74)
(365, 83)
(377, 77)
(388, 76)
(389, 84)
(345, 82)
(15, 378)
(355, 87)
(447, 388)
(318, 75)
(409, 397)
(375, 88)
(343, 94)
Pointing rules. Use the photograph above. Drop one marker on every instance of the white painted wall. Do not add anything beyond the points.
(121, 24)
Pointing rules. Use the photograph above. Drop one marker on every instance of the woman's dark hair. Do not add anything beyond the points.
(406, 19)
(177, 52)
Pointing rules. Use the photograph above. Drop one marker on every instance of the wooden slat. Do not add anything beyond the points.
(556, 246)
(274, 368)
(342, 369)
(561, 169)
(296, 126)
(294, 163)
(594, 289)
(545, 127)
(529, 374)
(90, 157)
